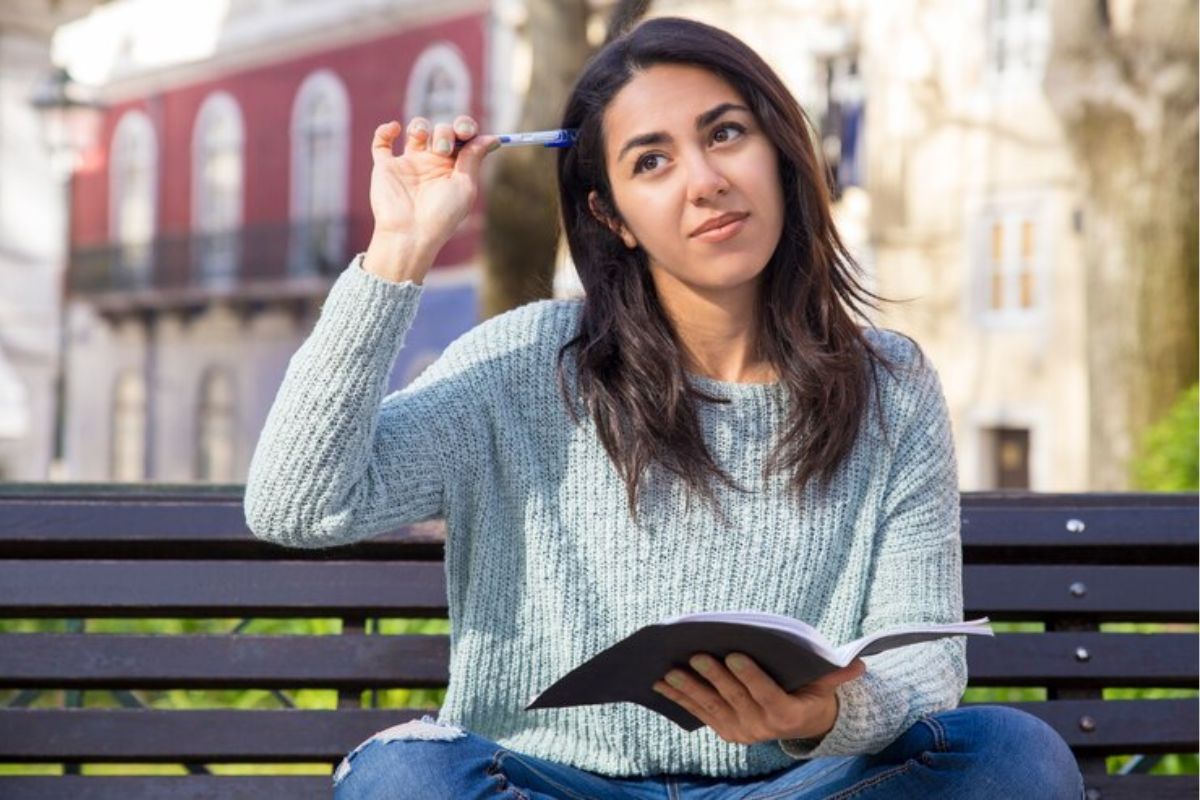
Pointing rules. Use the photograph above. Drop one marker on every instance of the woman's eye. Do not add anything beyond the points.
(640, 164)
(729, 126)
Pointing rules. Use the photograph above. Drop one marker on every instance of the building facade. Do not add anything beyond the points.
(32, 241)
(231, 186)
(958, 195)
(974, 215)
(227, 190)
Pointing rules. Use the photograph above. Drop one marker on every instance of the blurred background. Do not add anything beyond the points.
(181, 182)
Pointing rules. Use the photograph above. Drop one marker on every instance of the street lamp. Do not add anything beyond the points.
(70, 121)
(70, 126)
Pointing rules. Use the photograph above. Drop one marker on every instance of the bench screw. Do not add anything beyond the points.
(1081, 654)
(1078, 589)
(1087, 724)
(1075, 525)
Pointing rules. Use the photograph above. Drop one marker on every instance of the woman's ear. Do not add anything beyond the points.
(596, 207)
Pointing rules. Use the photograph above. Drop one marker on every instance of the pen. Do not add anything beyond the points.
(560, 137)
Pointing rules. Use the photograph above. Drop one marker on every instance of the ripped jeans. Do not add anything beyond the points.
(976, 752)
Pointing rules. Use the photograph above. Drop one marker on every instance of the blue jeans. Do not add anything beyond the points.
(975, 752)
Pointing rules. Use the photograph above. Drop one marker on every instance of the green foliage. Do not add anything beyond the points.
(1169, 460)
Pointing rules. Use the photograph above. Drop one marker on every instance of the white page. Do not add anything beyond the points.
(973, 626)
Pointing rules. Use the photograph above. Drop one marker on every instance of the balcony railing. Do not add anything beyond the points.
(259, 257)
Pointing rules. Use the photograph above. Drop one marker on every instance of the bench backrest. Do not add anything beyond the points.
(1070, 562)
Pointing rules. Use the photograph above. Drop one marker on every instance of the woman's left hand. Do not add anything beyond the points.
(744, 705)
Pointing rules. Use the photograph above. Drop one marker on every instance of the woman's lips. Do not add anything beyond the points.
(726, 231)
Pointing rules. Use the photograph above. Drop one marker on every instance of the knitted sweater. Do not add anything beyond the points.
(544, 566)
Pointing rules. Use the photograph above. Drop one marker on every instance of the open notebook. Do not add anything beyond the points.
(792, 652)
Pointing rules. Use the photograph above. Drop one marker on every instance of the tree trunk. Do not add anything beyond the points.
(522, 222)
(1125, 89)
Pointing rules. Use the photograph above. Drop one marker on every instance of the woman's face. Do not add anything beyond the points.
(682, 148)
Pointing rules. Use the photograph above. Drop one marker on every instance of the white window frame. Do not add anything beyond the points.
(207, 380)
(1018, 30)
(134, 125)
(1011, 209)
(217, 106)
(321, 84)
(134, 133)
(446, 56)
(128, 382)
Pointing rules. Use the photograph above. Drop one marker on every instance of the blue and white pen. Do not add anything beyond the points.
(562, 137)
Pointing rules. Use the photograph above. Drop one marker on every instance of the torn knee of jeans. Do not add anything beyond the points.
(424, 729)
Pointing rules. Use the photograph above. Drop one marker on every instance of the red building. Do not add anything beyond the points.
(222, 200)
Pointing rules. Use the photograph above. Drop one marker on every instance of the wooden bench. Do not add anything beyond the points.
(78, 552)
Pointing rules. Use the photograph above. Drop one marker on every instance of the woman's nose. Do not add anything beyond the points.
(705, 181)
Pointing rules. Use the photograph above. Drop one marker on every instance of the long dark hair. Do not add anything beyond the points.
(628, 358)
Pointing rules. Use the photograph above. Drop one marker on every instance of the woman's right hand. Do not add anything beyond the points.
(420, 197)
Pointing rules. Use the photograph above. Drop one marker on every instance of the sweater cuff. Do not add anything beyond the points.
(840, 741)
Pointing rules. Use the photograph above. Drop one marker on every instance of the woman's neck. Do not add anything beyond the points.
(719, 334)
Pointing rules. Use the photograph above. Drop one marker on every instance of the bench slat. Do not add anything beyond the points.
(110, 661)
(1121, 726)
(1113, 659)
(200, 523)
(115, 735)
(157, 736)
(171, 787)
(1109, 593)
(288, 787)
(352, 661)
(1047, 527)
(180, 527)
(54, 588)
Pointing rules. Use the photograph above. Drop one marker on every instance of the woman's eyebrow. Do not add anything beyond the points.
(659, 136)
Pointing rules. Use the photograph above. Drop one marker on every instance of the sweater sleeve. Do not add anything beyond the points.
(916, 577)
(336, 462)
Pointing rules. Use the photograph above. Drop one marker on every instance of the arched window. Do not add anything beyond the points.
(129, 428)
(217, 187)
(133, 177)
(320, 174)
(439, 87)
(215, 435)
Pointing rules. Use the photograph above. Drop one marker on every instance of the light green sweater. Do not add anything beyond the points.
(544, 567)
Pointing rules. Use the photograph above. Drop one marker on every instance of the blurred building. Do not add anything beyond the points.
(229, 187)
(32, 241)
(974, 215)
(959, 196)
(227, 190)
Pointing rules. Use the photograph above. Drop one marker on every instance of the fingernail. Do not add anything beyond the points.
(737, 663)
(465, 128)
(701, 664)
(675, 680)
(494, 146)
(420, 127)
(442, 146)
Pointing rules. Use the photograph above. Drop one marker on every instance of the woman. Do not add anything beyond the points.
(716, 357)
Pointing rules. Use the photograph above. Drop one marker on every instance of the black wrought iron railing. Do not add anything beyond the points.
(218, 262)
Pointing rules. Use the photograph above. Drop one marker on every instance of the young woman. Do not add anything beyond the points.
(714, 427)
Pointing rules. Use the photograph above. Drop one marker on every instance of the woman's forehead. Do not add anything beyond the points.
(664, 97)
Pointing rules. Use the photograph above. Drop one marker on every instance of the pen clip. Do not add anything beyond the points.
(566, 138)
